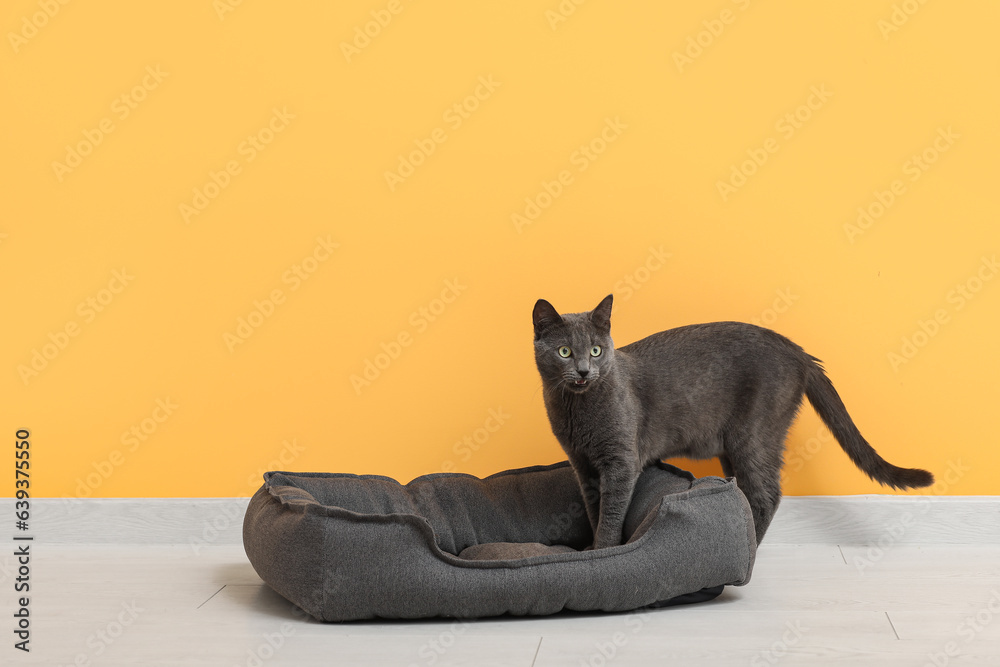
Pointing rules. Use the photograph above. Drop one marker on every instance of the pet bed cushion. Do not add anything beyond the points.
(349, 547)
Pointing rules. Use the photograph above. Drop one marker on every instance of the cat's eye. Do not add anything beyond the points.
(564, 352)
(595, 351)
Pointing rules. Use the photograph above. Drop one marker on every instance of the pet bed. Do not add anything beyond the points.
(349, 547)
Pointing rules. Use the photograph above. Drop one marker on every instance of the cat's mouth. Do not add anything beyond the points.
(579, 385)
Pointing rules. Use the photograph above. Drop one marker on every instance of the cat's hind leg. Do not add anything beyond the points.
(755, 461)
(727, 466)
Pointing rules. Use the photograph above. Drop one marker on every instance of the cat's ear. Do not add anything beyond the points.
(544, 316)
(600, 317)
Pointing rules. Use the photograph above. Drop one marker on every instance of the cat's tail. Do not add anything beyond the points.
(831, 409)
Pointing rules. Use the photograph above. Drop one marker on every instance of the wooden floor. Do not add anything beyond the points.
(807, 604)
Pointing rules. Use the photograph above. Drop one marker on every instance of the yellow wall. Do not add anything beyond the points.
(227, 158)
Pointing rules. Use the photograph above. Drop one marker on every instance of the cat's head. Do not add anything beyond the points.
(573, 351)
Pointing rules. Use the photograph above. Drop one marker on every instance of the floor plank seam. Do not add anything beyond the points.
(537, 649)
(210, 598)
(891, 625)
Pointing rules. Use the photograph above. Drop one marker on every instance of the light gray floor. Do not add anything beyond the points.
(807, 604)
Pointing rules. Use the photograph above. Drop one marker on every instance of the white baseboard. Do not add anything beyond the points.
(196, 521)
(857, 520)
(880, 519)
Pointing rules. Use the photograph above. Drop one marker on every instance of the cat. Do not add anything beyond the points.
(724, 389)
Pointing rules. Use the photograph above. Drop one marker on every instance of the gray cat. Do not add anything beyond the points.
(724, 389)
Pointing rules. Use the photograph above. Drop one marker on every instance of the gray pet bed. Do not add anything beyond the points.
(348, 547)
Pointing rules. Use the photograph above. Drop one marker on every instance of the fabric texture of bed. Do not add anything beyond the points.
(350, 547)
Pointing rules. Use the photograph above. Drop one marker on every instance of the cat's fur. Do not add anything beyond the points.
(725, 389)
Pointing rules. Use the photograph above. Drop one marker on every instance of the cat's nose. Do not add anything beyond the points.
(583, 372)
